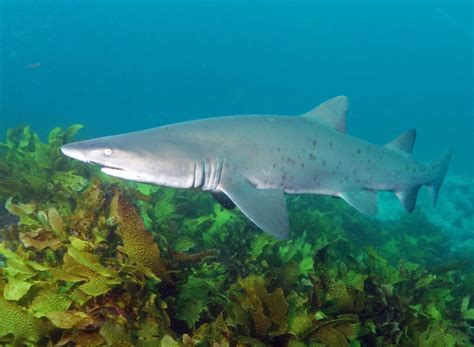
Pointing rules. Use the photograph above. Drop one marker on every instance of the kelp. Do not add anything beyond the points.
(138, 244)
(31, 169)
(91, 260)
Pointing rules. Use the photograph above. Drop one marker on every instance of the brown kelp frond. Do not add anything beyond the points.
(138, 244)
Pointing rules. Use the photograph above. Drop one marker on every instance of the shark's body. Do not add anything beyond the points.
(255, 159)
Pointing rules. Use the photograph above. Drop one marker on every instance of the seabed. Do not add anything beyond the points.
(89, 260)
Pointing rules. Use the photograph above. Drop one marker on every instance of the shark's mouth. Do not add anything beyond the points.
(117, 172)
(107, 169)
(120, 173)
(103, 166)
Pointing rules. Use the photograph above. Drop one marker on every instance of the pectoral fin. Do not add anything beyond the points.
(363, 200)
(264, 207)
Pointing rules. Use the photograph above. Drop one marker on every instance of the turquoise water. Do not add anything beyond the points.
(117, 67)
(87, 259)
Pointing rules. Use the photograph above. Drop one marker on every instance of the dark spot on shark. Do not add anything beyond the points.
(369, 161)
(346, 178)
(333, 172)
(330, 144)
(274, 165)
(314, 143)
(312, 156)
(358, 151)
(302, 165)
(354, 171)
(323, 162)
(278, 149)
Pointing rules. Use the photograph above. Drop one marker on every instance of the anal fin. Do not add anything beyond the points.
(264, 207)
(408, 197)
(363, 200)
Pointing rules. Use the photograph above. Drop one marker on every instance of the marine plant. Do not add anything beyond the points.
(32, 169)
(90, 261)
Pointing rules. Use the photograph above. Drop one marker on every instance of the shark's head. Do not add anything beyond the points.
(140, 156)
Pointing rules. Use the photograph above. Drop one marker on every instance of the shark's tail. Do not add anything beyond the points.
(440, 167)
(408, 196)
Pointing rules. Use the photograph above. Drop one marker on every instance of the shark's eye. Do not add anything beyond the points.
(107, 151)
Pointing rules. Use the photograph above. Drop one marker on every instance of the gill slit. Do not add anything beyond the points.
(207, 173)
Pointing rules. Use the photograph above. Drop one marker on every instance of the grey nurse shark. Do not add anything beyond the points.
(251, 161)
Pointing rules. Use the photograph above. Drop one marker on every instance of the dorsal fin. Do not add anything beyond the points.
(332, 113)
(403, 142)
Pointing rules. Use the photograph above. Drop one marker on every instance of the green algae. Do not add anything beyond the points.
(97, 261)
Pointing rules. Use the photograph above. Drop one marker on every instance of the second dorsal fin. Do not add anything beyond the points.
(404, 142)
(331, 113)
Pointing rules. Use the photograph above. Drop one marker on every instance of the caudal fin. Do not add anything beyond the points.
(441, 167)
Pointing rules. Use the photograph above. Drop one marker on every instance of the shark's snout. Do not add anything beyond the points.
(73, 152)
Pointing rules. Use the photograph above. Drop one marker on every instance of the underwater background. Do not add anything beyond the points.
(86, 259)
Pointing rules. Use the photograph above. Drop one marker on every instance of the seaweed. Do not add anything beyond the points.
(86, 259)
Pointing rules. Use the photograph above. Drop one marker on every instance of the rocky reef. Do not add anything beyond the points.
(89, 260)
